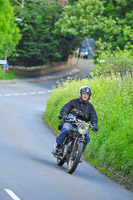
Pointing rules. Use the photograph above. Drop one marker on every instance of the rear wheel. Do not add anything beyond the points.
(75, 158)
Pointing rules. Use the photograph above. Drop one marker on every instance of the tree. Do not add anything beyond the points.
(121, 12)
(40, 43)
(118, 8)
(9, 33)
(72, 2)
(18, 2)
(89, 18)
(86, 18)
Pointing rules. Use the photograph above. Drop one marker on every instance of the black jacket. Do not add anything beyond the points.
(84, 111)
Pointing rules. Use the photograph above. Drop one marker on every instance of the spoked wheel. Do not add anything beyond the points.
(75, 158)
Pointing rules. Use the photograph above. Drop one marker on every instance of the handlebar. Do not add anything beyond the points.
(77, 120)
(92, 128)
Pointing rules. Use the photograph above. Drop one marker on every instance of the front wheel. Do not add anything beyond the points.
(75, 158)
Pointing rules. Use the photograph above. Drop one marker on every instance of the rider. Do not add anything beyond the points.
(82, 109)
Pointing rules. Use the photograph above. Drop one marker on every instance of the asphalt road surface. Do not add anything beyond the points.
(28, 170)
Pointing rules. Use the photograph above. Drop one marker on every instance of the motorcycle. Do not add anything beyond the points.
(74, 144)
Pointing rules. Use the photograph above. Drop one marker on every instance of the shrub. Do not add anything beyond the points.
(6, 75)
(117, 61)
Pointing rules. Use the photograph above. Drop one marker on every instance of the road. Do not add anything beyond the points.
(28, 170)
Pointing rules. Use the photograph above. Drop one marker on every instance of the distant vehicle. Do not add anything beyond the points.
(87, 49)
(82, 52)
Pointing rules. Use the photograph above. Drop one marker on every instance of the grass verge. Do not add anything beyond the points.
(6, 75)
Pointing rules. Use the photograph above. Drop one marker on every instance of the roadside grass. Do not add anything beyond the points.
(6, 75)
(111, 148)
(118, 60)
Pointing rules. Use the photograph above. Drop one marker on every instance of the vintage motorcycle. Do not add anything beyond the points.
(74, 144)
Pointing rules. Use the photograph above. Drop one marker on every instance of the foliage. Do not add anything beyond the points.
(98, 19)
(118, 8)
(117, 60)
(40, 44)
(125, 38)
(72, 1)
(50, 33)
(84, 18)
(121, 12)
(9, 33)
(112, 145)
(18, 2)
(6, 75)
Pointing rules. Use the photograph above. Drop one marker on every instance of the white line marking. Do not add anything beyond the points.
(41, 92)
(32, 93)
(16, 94)
(7, 95)
(24, 93)
(11, 194)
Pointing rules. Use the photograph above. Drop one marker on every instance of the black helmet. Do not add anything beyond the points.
(85, 89)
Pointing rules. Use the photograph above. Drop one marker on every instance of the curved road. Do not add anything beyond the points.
(28, 171)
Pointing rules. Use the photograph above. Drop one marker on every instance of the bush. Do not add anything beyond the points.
(6, 75)
(112, 99)
(118, 61)
(9, 33)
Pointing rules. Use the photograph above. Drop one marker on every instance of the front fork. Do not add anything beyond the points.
(78, 139)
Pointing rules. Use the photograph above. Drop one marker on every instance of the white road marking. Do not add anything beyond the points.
(17, 94)
(7, 95)
(25, 93)
(41, 92)
(12, 194)
(32, 93)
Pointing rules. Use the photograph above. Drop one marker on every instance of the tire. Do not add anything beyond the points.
(72, 164)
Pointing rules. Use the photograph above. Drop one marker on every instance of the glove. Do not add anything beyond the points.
(95, 127)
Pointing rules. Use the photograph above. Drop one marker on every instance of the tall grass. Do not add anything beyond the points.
(118, 60)
(6, 75)
(112, 98)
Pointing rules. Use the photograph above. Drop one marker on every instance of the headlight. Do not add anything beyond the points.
(86, 53)
(83, 128)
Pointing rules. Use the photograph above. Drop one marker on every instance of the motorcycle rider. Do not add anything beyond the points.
(80, 108)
